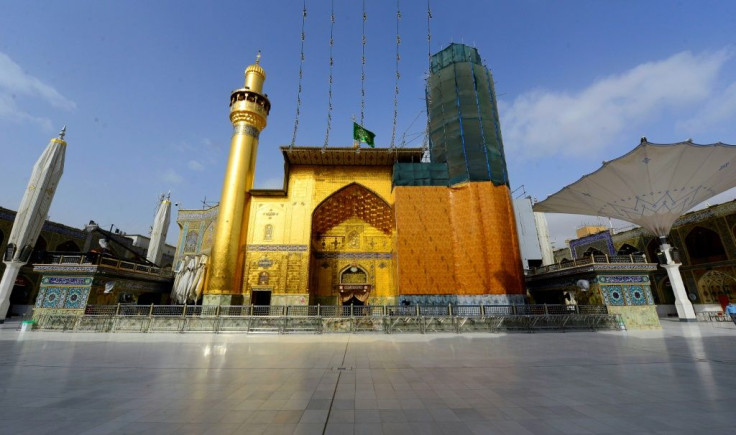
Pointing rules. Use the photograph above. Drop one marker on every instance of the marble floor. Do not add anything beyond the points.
(681, 379)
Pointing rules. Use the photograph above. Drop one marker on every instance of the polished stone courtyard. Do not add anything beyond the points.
(681, 379)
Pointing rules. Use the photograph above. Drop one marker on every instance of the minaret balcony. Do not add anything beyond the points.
(243, 99)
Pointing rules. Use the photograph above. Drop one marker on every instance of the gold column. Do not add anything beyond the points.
(249, 108)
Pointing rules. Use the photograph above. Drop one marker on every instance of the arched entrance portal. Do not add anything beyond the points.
(352, 245)
(716, 287)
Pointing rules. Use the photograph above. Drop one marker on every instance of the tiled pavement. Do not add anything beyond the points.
(681, 379)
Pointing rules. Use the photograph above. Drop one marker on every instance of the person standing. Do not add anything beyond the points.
(731, 311)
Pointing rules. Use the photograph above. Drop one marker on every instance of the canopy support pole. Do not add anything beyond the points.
(6, 286)
(684, 307)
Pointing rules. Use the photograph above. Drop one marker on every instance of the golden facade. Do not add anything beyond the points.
(332, 227)
(339, 232)
(456, 239)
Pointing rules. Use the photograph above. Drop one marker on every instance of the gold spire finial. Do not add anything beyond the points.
(255, 75)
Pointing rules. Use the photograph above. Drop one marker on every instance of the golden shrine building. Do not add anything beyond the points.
(376, 226)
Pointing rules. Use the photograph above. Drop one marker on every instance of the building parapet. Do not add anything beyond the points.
(596, 263)
(91, 262)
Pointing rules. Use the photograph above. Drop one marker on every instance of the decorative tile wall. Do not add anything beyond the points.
(67, 292)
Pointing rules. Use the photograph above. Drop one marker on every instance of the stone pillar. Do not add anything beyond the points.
(685, 310)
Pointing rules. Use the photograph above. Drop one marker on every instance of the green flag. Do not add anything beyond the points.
(362, 135)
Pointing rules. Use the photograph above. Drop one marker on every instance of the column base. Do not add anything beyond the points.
(685, 311)
(222, 300)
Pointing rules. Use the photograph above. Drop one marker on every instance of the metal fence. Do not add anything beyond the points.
(330, 318)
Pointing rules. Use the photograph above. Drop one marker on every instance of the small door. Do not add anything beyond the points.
(260, 297)
(354, 301)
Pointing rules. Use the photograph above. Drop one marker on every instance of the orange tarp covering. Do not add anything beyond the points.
(457, 240)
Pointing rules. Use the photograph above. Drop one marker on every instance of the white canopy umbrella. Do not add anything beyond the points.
(198, 281)
(652, 186)
(178, 267)
(32, 213)
(159, 231)
(181, 278)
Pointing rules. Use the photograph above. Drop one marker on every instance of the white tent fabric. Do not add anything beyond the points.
(32, 213)
(651, 186)
(178, 272)
(34, 207)
(159, 231)
(183, 279)
(189, 279)
(195, 289)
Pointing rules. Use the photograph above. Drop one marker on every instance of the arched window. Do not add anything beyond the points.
(263, 278)
(714, 285)
(704, 246)
(592, 251)
(190, 243)
(68, 246)
(627, 249)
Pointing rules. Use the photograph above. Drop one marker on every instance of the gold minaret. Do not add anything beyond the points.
(249, 108)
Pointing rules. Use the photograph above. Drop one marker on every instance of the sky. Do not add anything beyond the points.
(143, 88)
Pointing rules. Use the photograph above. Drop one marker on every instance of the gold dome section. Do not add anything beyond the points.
(255, 75)
(256, 69)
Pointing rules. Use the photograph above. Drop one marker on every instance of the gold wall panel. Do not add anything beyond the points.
(425, 241)
(457, 240)
(290, 231)
(287, 272)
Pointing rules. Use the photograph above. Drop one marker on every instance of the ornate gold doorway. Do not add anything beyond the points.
(714, 286)
(352, 248)
(354, 287)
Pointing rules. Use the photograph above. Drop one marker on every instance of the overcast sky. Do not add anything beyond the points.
(143, 87)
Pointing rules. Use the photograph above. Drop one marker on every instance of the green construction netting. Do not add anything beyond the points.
(464, 123)
(452, 54)
(420, 174)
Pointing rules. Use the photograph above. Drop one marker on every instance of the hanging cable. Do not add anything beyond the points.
(362, 72)
(413, 135)
(301, 74)
(398, 75)
(425, 144)
(429, 34)
(332, 63)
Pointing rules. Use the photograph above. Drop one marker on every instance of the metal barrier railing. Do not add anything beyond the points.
(330, 318)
